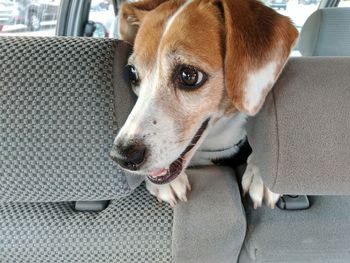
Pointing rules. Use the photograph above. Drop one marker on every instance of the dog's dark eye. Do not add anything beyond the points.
(132, 74)
(190, 77)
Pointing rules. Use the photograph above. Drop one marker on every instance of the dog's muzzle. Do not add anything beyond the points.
(163, 176)
(131, 155)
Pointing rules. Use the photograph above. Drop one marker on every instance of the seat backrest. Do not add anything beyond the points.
(62, 102)
(300, 138)
(326, 33)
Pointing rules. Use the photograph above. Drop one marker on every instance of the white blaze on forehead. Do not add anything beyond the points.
(175, 15)
(257, 83)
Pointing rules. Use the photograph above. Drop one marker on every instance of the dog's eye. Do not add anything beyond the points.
(132, 74)
(189, 77)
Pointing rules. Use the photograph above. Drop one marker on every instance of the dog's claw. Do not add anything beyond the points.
(173, 203)
(270, 198)
(183, 198)
(188, 186)
(256, 204)
(253, 185)
(271, 205)
(171, 192)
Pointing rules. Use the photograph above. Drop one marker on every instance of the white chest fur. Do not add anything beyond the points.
(221, 140)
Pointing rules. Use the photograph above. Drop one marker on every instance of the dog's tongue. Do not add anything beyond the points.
(159, 172)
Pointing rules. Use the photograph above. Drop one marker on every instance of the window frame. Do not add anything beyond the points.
(73, 16)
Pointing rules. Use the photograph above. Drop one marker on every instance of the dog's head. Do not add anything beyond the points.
(193, 62)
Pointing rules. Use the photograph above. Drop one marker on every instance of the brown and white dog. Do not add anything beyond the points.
(199, 67)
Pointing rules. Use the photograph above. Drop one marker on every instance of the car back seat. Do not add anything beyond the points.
(301, 147)
(62, 101)
(307, 114)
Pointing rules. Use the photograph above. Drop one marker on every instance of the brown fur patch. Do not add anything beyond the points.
(131, 15)
(255, 34)
(194, 38)
(227, 39)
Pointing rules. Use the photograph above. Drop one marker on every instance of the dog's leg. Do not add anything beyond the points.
(171, 192)
(253, 184)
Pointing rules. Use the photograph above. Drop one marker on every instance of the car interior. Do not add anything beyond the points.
(64, 95)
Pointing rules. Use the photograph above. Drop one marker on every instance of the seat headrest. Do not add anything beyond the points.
(326, 33)
(62, 101)
(300, 138)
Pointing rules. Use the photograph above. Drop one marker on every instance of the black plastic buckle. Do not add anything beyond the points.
(90, 206)
(293, 202)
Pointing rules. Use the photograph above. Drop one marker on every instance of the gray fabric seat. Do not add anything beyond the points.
(62, 101)
(300, 142)
(131, 229)
(211, 226)
(300, 137)
(320, 234)
(326, 33)
(60, 109)
(136, 228)
(301, 147)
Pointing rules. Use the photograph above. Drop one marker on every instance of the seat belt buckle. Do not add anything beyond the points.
(293, 202)
(90, 206)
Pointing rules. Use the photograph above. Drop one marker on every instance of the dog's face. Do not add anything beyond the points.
(194, 62)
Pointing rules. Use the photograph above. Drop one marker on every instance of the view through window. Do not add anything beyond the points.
(344, 3)
(38, 17)
(297, 10)
(102, 13)
(28, 17)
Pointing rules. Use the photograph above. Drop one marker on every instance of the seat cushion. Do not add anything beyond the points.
(210, 227)
(320, 234)
(132, 229)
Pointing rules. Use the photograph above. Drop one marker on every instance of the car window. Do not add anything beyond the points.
(101, 11)
(344, 3)
(28, 17)
(297, 10)
(102, 14)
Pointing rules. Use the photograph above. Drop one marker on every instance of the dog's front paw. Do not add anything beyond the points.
(171, 192)
(253, 184)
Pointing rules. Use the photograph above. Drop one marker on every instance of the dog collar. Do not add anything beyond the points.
(227, 149)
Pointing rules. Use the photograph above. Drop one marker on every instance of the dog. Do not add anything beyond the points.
(199, 68)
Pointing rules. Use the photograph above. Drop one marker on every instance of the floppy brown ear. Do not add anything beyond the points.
(131, 15)
(258, 42)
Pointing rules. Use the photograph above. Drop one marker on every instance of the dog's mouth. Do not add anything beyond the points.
(166, 175)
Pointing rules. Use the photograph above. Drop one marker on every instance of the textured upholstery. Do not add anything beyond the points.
(211, 226)
(62, 101)
(318, 234)
(326, 33)
(301, 143)
(60, 109)
(133, 229)
(301, 136)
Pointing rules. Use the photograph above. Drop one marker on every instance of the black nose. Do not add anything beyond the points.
(129, 156)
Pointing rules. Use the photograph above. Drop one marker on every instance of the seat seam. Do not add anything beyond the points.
(318, 34)
(277, 140)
